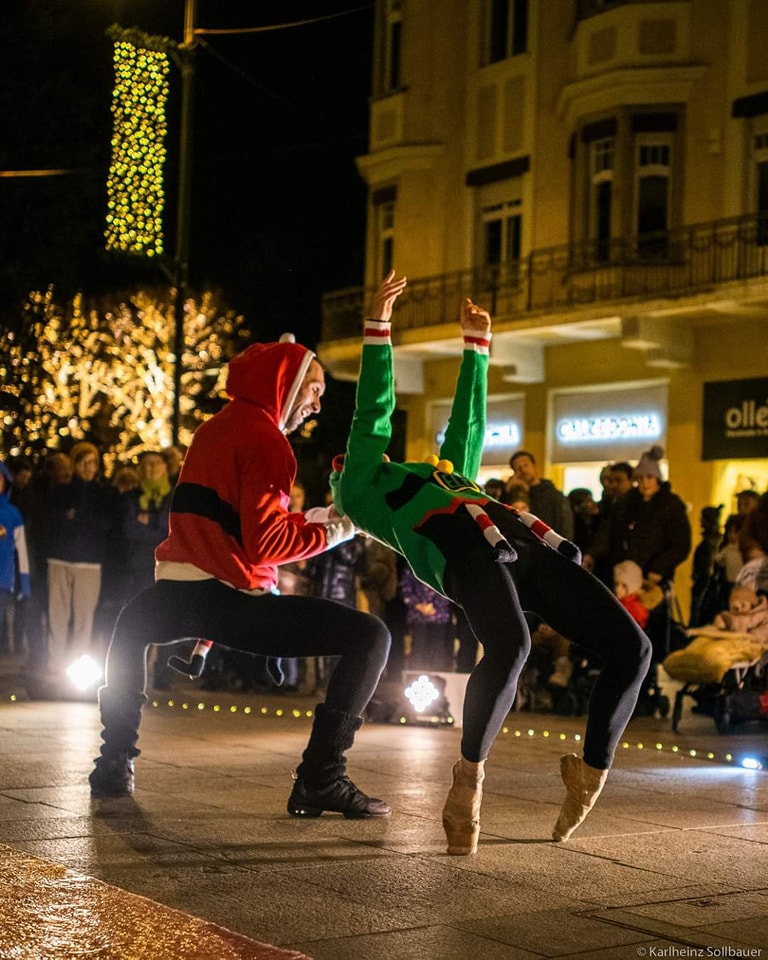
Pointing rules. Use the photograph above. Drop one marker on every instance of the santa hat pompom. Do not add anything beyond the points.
(287, 338)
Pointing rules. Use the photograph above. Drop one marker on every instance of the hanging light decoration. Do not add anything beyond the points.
(135, 191)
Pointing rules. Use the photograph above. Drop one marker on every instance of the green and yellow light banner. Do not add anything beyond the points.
(135, 191)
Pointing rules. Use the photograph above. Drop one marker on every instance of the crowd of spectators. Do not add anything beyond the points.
(88, 545)
(90, 542)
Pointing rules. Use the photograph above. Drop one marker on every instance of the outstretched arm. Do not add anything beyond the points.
(371, 428)
(465, 434)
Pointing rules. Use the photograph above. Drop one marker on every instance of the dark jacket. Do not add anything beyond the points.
(79, 518)
(334, 573)
(552, 507)
(141, 539)
(655, 533)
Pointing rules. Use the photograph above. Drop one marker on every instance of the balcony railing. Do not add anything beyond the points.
(672, 263)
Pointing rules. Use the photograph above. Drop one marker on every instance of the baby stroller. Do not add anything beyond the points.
(744, 695)
(666, 633)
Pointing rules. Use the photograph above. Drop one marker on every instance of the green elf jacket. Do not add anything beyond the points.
(390, 501)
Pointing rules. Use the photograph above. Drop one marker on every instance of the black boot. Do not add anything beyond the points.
(320, 781)
(120, 717)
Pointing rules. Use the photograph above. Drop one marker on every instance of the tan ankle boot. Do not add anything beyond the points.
(461, 813)
(583, 785)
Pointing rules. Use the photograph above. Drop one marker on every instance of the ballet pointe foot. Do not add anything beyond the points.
(583, 785)
(461, 813)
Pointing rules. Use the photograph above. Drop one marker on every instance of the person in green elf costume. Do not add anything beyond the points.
(491, 560)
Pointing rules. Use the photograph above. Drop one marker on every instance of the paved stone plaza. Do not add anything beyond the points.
(674, 857)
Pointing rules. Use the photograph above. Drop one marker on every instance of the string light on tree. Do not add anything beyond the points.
(107, 374)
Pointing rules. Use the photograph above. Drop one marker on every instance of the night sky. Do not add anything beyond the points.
(278, 209)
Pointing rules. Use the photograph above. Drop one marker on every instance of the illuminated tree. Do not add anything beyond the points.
(107, 374)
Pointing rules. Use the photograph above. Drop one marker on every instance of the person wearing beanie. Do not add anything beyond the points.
(648, 525)
(492, 561)
(230, 527)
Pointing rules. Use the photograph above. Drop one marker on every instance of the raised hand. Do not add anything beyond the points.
(474, 319)
(384, 298)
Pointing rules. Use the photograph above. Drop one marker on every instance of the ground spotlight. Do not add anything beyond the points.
(84, 673)
(420, 697)
(751, 763)
(424, 699)
(78, 681)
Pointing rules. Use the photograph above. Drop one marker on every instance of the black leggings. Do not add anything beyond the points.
(574, 603)
(270, 625)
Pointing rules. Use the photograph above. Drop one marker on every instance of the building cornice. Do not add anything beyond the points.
(388, 164)
(616, 88)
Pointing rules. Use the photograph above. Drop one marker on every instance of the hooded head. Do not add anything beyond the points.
(270, 375)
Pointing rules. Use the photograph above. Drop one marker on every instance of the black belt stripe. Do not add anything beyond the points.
(205, 502)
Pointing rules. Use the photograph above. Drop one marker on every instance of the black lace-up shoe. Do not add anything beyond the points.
(112, 777)
(338, 796)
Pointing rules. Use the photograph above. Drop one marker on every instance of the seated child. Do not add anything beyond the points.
(739, 634)
(628, 587)
(747, 613)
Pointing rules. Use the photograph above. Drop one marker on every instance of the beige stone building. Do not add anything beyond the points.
(596, 173)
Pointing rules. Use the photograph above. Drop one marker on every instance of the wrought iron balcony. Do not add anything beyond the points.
(673, 263)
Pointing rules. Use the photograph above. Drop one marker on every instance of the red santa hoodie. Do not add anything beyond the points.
(229, 515)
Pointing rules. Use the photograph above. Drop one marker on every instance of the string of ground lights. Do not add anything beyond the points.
(747, 761)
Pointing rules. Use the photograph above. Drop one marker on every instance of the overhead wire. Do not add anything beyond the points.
(250, 79)
(200, 31)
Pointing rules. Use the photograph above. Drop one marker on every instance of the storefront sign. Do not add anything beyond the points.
(503, 429)
(735, 420)
(601, 425)
(496, 435)
(636, 425)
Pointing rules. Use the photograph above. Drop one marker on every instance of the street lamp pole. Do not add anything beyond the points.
(186, 52)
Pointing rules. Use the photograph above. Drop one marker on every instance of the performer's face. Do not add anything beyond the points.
(308, 398)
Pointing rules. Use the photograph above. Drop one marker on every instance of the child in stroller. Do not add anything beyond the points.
(721, 657)
(559, 675)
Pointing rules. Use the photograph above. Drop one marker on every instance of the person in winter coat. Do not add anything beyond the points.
(14, 562)
(547, 502)
(79, 518)
(230, 527)
(492, 560)
(649, 525)
(144, 521)
(334, 575)
(429, 620)
(753, 543)
(144, 512)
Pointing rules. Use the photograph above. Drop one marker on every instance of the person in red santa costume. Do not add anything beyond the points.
(230, 527)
